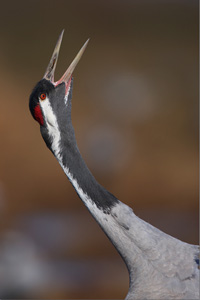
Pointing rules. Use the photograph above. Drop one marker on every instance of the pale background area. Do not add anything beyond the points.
(135, 113)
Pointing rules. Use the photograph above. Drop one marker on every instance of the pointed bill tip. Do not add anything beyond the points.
(49, 74)
(73, 65)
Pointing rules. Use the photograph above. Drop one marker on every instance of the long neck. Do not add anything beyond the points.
(105, 207)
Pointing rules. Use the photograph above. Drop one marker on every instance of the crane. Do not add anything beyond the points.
(159, 265)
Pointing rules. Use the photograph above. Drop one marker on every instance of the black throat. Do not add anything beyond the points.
(71, 160)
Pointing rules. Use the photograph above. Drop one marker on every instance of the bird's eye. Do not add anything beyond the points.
(43, 96)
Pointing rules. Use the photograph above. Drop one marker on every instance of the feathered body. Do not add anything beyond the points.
(160, 266)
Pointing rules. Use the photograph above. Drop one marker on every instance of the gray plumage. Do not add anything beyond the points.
(160, 266)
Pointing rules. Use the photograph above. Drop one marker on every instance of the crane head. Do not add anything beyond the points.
(50, 101)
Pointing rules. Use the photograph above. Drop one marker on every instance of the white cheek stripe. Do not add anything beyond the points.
(66, 96)
(52, 126)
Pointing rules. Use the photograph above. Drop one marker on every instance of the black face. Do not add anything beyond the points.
(43, 89)
(50, 105)
(46, 91)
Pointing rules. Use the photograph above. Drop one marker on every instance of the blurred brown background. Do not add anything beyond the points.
(135, 113)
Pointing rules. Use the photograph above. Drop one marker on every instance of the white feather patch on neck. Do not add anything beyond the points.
(52, 126)
(66, 96)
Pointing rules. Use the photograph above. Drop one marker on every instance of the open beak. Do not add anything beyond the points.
(49, 74)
